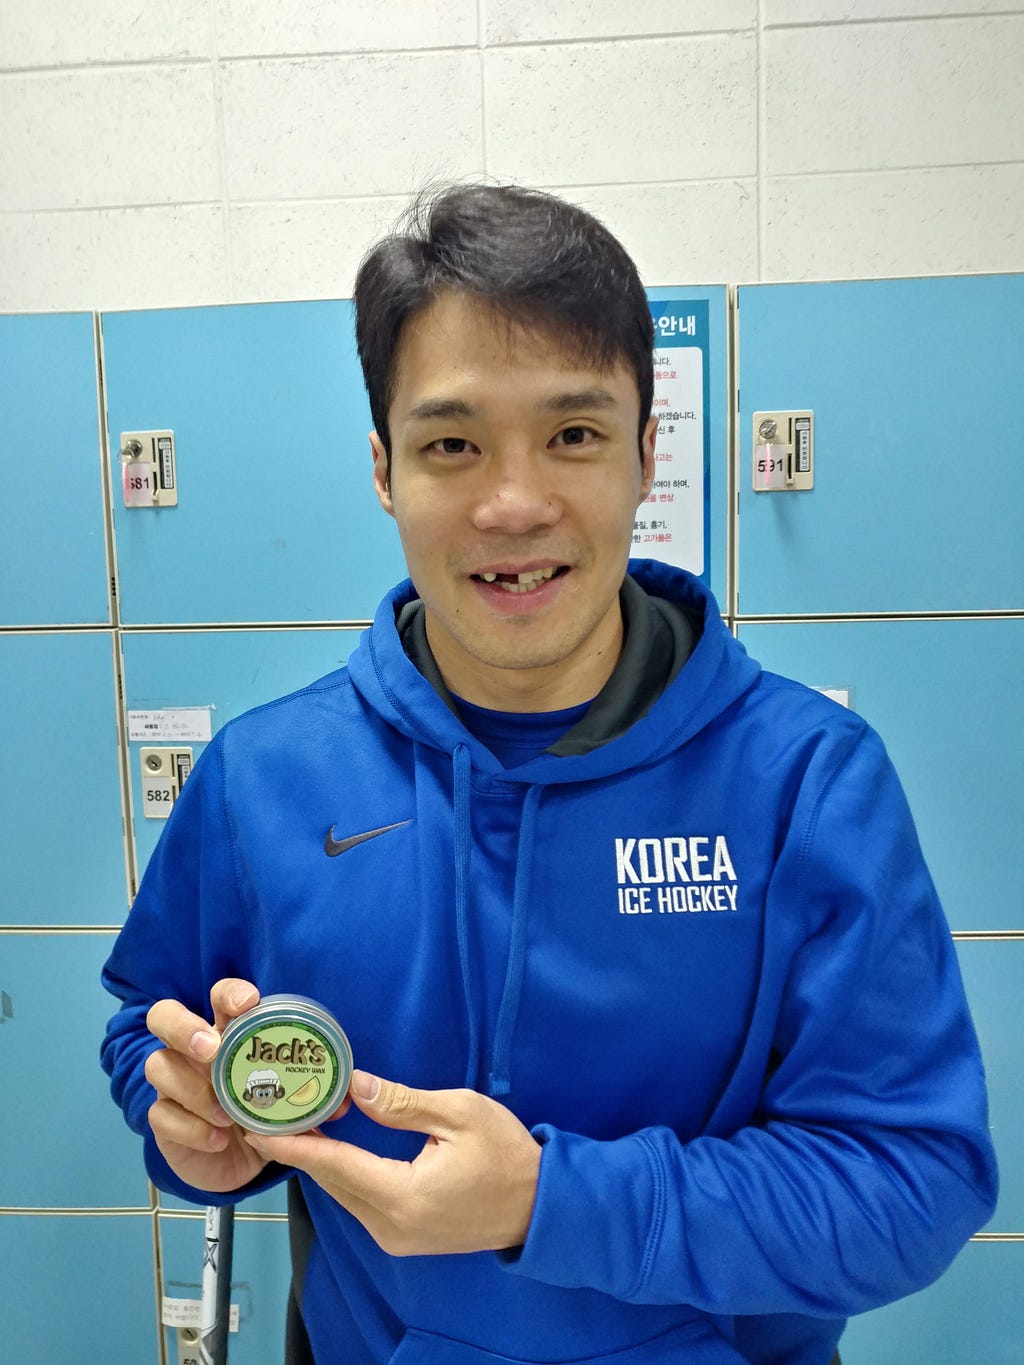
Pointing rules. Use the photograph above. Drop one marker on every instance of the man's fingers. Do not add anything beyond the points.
(190, 1034)
(177, 1078)
(182, 1031)
(346, 1172)
(171, 1123)
(231, 997)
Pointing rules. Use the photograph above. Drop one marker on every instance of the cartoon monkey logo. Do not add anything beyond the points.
(263, 1089)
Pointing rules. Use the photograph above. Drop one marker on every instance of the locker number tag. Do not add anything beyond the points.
(783, 447)
(163, 775)
(148, 473)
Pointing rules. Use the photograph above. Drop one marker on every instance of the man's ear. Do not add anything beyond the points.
(381, 474)
(647, 456)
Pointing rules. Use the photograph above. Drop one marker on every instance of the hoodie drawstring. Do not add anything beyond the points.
(463, 854)
(500, 1079)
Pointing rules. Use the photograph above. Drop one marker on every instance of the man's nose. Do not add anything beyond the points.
(517, 495)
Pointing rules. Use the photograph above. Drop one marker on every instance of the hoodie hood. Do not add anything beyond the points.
(718, 672)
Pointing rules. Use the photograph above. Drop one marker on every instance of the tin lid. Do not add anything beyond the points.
(283, 1067)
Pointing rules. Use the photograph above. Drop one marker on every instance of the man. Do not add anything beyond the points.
(663, 1048)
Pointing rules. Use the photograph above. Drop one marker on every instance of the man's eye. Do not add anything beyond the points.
(574, 436)
(452, 445)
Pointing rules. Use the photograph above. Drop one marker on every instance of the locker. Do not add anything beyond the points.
(939, 693)
(276, 517)
(51, 473)
(227, 671)
(975, 1312)
(260, 1281)
(73, 1150)
(83, 1290)
(992, 976)
(61, 843)
(916, 498)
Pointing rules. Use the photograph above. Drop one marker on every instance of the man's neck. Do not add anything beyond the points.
(555, 686)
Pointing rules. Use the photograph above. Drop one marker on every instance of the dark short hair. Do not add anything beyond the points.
(538, 261)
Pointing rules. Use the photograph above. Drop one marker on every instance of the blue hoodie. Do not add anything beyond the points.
(704, 962)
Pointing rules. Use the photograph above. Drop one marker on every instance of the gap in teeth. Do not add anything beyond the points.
(521, 581)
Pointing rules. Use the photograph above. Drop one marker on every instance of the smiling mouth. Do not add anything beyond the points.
(522, 582)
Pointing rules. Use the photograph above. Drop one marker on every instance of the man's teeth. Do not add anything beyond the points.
(522, 582)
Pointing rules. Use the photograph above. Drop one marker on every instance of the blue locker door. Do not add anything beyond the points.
(916, 503)
(221, 673)
(61, 841)
(260, 1281)
(77, 1289)
(68, 1147)
(276, 519)
(54, 558)
(993, 971)
(974, 1315)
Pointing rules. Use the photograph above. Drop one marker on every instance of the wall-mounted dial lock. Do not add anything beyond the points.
(148, 474)
(163, 776)
(783, 448)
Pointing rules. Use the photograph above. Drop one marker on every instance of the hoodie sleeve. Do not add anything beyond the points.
(866, 1162)
(186, 930)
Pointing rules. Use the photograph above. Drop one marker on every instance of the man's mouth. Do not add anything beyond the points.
(522, 582)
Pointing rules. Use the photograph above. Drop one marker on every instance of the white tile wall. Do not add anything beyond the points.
(697, 233)
(525, 21)
(218, 150)
(298, 26)
(114, 136)
(305, 250)
(960, 219)
(56, 33)
(870, 96)
(853, 11)
(356, 125)
(613, 113)
(168, 257)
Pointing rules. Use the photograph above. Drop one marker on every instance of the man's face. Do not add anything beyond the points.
(515, 479)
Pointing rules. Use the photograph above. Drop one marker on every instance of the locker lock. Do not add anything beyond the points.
(783, 444)
(189, 1346)
(164, 771)
(148, 471)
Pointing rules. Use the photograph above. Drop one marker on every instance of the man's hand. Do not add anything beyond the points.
(471, 1188)
(198, 1141)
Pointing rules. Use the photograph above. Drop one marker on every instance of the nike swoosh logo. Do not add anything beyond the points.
(332, 846)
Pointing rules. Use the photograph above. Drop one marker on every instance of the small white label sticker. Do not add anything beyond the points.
(184, 723)
(837, 694)
(185, 1313)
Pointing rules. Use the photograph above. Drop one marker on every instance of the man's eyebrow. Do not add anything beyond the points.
(431, 408)
(579, 398)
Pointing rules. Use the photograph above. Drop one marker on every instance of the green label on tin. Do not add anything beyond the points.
(281, 1072)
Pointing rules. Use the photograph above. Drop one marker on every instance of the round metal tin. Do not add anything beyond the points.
(283, 1066)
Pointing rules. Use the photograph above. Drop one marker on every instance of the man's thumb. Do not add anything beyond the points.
(396, 1105)
(364, 1087)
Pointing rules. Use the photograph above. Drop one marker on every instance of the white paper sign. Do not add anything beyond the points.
(183, 724)
(185, 1313)
(670, 522)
